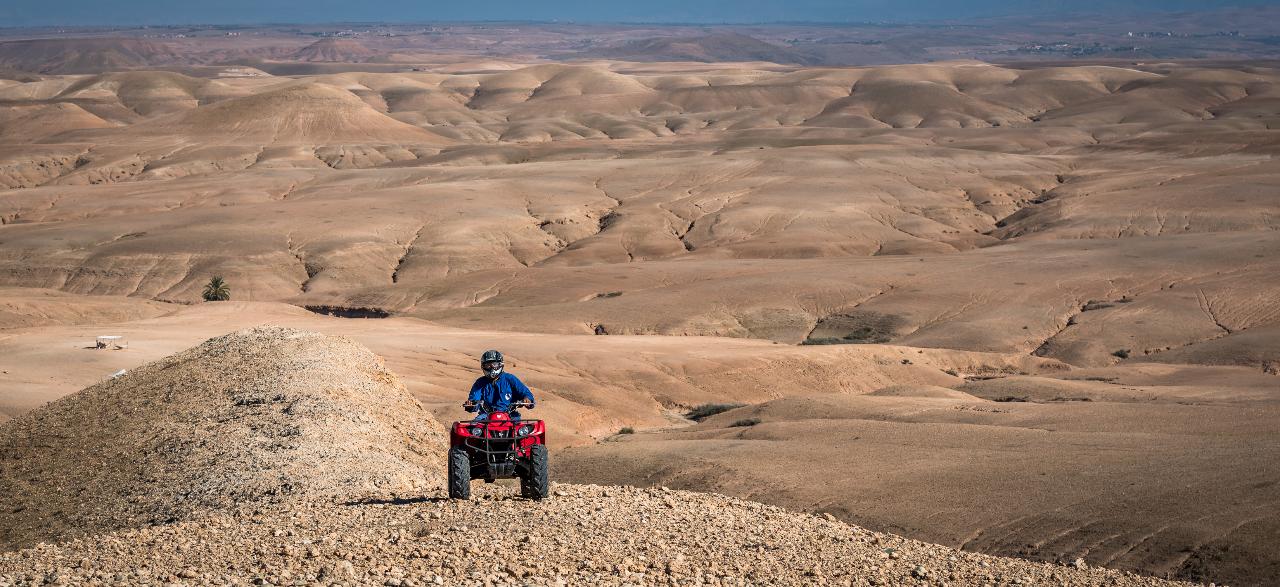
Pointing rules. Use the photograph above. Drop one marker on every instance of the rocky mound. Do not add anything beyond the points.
(583, 535)
(262, 416)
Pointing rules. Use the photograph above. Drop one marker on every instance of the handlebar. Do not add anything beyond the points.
(471, 406)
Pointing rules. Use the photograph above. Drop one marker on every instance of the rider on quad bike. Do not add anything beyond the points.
(496, 390)
(497, 444)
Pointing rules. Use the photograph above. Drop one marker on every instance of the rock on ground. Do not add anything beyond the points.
(582, 535)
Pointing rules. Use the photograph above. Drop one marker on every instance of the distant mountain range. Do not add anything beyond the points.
(728, 46)
(84, 55)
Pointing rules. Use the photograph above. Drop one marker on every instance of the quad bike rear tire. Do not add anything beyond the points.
(459, 474)
(536, 484)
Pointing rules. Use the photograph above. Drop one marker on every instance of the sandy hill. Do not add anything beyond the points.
(256, 417)
(334, 50)
(22, 308)
(148, 93)
(83, 55)
(21, 124)
(307, 113)
(16, 75)
(714, 47)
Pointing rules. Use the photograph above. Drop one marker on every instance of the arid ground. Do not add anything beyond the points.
(1025, 309)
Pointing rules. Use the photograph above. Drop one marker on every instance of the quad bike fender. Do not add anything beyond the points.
(470, 434)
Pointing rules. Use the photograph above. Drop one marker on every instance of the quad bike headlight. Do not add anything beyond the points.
(525, 430)
(477, 431)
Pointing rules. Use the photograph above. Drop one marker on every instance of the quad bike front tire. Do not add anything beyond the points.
(536, 483)
(459, 474)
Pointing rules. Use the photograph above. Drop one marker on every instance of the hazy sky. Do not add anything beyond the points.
(133, 12)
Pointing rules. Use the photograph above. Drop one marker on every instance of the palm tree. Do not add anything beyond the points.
(216, 290)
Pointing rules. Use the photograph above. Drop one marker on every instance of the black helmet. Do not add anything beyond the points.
(491, 362)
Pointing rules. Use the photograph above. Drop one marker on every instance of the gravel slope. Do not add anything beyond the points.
(582, 535)
(266, 415)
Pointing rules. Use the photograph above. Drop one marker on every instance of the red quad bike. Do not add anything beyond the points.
(499, 448)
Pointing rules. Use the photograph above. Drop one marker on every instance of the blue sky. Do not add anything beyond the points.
(135, 12)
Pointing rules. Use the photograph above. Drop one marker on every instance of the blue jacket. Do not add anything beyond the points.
(496, 395)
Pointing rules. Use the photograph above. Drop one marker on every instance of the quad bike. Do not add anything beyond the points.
(499, 448)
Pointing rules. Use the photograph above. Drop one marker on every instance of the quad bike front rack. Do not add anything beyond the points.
(501, 444)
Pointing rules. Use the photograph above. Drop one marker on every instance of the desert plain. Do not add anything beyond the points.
(1023, 309)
